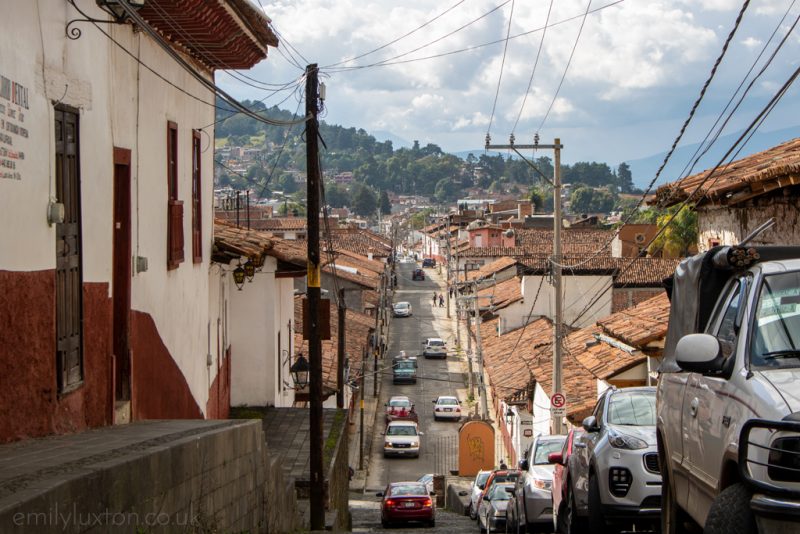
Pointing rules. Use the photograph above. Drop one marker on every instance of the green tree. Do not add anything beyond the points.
(336, 196)
(589, 200)
(364, 201)
(385, 205)
(679, 233)
(286, 184)
(625, 178)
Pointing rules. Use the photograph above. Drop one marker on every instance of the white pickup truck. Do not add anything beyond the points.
(728, 400)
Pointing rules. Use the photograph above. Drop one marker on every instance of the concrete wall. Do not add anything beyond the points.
(219, 480)
(578, 292)
(730, 225)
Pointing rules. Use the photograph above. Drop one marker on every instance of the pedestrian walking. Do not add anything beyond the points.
(441, 300)
(451, 292)
(434, 298)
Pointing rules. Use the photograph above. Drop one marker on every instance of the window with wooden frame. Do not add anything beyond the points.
(174, 206)
(197, 234)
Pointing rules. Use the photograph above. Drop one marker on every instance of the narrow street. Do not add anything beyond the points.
(434, 377)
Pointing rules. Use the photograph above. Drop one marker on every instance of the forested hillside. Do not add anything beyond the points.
(419, 170)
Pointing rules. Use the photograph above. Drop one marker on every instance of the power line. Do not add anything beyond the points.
(502, 66)
(426, 23)
(674, 143)
(569, 61)
(390, 61)
(535, 63)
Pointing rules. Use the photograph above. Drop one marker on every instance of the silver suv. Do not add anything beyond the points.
(617, 475)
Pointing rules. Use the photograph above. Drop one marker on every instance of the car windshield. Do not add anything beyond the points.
(401, 306)
(481, 479)
(506, 477)
(401, 431)
(635, 408)
(545, 447)
(403, 403)
(447, 401)
(408, 489)
(437, 342)
(775, 342)
(405, 364)
(499, 493)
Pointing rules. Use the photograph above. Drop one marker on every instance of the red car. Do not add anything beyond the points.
(406, 501)
(564, 517)
(418, 274)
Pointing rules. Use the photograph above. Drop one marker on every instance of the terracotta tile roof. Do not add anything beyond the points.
(279, 224)
(529, 249)
(358, 241)
(627, 272)
(231, 242)
(363, 277)
(602, 359)
(640, 325)
(357, 330)
(373, 265)
(741, 180)
(486, 271)
(569, 237)
(502, 294)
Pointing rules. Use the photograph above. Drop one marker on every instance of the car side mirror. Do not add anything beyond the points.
(524, 464)
(487, 498)
(555, 458)
(379, 494)
(512, 491)
(421, 433)
(481, 486)
(590, 424)
(699, 353)
(434, 401)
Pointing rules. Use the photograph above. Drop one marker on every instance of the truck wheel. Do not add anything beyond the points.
(730, 512)
(597, 521)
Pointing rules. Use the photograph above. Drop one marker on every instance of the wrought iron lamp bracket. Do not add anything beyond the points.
(73, 32)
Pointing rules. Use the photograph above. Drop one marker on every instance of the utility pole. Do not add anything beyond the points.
(447, 271)
(313, 292)
(479, 352)
(342, 311)
(555, 422)
(361, 424)
(455, 292)
(469, 344)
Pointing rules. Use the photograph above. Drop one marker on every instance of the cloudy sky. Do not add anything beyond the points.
(428, 70)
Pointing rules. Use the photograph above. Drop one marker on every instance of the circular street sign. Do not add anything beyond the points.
(558, 400)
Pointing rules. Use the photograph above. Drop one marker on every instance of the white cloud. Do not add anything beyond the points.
(752, 42)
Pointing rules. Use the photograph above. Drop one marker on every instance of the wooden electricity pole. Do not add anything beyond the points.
(317, 500)
(555, 419)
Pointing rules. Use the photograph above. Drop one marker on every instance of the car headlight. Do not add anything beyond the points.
(415, 443)
(387, 445)
(624, 441)
(498, 513)
(542, 484)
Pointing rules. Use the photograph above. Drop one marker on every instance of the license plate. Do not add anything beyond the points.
(408, 504)
(448, 409)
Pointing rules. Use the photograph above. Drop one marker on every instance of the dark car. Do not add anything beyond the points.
(429, 262)
(564, 518)
(496, 477)
(418, 274)
(406, 502)
(404, 371)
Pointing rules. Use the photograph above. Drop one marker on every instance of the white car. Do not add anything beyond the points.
(477, 488)
(402, 309)
(435, 347)
(446, 407)
(402, 438)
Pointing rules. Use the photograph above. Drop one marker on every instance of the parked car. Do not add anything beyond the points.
(404, 371)
(477, 488)
(531, 506)
(435, 347)
(428, 262)
(402, 438)
(402, 309)
(616, 472)
(427, 479)
(497, 476)
(405, 502)
(565, 519)
(418, 274)
(446, 407)
(728, 408)
(400, 407)
(492, 512)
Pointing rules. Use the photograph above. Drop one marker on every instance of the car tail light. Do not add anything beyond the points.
(619, 481)
(390, 503)
(427, 503)
(458, 409)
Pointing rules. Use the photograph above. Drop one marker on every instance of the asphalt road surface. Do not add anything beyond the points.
(438, 445)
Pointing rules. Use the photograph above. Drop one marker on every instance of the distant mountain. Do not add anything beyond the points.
(397, 142)
(644, 169)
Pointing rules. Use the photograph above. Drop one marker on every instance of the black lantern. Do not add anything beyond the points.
(258, 262)
(509, 416)
(249, 270)
(299, 370)
(238, 277)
